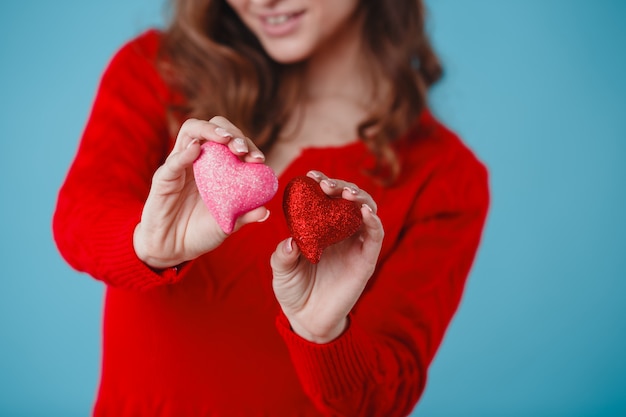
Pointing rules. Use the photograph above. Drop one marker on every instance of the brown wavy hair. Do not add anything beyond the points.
(219, 67)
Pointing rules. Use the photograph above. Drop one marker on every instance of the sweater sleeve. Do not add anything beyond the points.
(125, 140)
(378, 367)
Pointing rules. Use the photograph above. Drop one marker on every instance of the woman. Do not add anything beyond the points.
(201, 323)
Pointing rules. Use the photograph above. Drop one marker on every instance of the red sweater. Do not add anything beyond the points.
(209, 339)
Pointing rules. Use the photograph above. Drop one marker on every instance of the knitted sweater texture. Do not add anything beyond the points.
(209, 339)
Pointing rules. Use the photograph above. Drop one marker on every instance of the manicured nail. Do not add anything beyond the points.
(289, 245)
(368, 207)
(240, 145)
(222, 132)
(193, 142)
(353, 190)
(267, 216)
(316, 174)
(257, 155)
(330, 183)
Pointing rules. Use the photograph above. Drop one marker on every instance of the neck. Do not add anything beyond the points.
(338, 70)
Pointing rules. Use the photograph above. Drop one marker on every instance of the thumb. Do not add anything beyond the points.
(258, 215)
(285, 258)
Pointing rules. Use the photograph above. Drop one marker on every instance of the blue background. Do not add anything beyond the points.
(535, 87)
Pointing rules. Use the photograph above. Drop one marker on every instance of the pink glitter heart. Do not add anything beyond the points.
(230, 187)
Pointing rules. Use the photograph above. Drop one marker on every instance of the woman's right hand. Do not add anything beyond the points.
(175, 224)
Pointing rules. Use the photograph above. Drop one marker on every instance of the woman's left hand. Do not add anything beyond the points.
(316, 298)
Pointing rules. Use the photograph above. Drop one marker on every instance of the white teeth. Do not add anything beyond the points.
(277, 20)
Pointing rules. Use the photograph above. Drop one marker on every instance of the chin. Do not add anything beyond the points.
(288, 55)
(288, 59)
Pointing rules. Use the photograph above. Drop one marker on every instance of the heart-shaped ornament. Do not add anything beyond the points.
(230, 187)
(316, 220)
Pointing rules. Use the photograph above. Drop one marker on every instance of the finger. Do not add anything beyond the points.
(348, 190)
(199, 129)
(330, 186)
(316, 175)
(239, 144)
(218, 129)
(340, 188)
(244, 147)
(353, 193)
(258, 215)
(254, 155)
(227, 126)
(373, 233)
(285, 258)
(177, 162)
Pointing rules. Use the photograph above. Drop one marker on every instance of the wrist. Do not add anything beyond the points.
(321, 336)
(144, 252)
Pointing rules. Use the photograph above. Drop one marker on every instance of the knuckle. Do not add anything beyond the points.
(218, 120)
(158, 173)
(188, 123)
(353, 186)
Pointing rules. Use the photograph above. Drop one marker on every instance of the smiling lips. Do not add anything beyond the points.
(278, 19)
(281, 24)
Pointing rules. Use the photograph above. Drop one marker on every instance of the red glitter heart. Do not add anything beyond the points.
(316, 220)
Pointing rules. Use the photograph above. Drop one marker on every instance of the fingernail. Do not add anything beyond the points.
(353, 190)
(222, 132)
(240, 145)
(190, 144)
(368, 207)
(330, 183)
(267, 216)
(316, 174)
(257, 155)
(289, 245)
